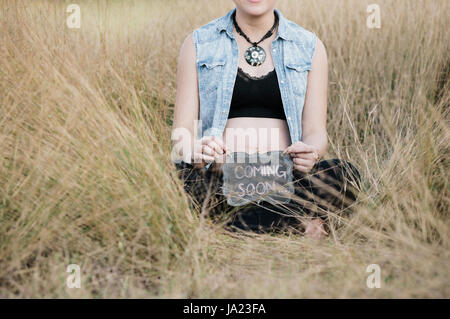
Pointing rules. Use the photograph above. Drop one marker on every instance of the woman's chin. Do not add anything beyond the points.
(256, 2)
(255, 7)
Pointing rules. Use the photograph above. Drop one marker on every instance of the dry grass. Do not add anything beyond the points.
(86, 178)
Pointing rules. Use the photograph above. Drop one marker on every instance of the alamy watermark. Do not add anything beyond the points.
(374, 18)
(190, 148)
(374, 279)
(74, 279)
(73, 21)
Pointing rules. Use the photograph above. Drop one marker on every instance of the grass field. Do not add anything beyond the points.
(86, 177)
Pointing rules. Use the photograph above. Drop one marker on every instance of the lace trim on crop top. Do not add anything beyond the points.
(256, 96)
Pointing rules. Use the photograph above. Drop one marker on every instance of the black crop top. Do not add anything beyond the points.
(256, 96)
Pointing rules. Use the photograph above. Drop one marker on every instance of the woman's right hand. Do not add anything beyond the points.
(208, 149)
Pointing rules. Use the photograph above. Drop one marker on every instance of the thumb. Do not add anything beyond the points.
(287, 149)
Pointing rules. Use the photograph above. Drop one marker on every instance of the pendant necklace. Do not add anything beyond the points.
(255, 55)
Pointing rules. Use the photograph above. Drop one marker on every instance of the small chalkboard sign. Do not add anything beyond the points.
(256, 177)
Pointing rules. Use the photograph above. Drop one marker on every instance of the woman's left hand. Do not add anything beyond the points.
(303, 155)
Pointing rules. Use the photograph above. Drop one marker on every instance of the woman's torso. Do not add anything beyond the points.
(256, 134)
(220, 51)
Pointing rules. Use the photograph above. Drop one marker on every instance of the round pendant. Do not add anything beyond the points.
(255, 56)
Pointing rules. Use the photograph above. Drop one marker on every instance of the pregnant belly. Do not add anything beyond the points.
(256, 134)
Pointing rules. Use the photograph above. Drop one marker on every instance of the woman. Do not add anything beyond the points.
(253, 81)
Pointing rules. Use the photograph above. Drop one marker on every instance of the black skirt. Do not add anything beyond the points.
(330, 188)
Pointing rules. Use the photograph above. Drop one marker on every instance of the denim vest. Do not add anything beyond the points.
(217, 63)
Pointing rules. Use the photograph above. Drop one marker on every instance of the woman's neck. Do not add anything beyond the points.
(255, 27)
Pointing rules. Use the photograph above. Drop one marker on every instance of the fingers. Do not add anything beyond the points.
(304, 162)
(199, 157)
(209, 149)
(306, 156)
(220, 143)
(212, 153)
(303, 155)
(215, 143)
(300, 147)
(216, 147)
